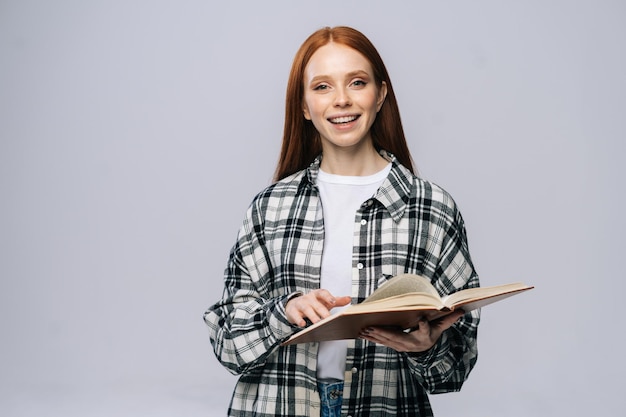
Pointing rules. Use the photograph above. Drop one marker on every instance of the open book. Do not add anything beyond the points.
(400, 303)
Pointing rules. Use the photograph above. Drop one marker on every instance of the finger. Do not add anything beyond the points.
(300, 321)
(394, 339)
(316, 311)
(423, 334)
(372, 334)
(422, 324)
(342, 301)
(447, 321)
(301, 308)
(313, 306)
(383, 335)
(294, 315)
(330, 301)
(312, 313)
(324, 297)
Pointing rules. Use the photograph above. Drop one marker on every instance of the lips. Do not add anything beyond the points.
(343, 119)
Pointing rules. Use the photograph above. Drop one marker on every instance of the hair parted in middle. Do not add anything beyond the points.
(301, 142)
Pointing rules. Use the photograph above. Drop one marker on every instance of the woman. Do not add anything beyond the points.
(345, 214)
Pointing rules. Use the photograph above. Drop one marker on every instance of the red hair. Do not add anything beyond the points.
(301, 142)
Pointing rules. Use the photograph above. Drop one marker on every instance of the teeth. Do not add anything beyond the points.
(344, 119)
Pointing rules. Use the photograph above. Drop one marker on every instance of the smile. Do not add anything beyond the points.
(343, 119)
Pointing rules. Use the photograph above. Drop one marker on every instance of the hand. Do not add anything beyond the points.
(418, 340)
(314, 306)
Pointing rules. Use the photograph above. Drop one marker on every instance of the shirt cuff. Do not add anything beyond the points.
(280, 326)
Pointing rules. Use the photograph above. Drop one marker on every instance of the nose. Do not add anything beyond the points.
(342, 98)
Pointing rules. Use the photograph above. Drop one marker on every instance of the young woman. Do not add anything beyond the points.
(345, 214)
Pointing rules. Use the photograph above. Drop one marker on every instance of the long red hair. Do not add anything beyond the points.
(301, 142)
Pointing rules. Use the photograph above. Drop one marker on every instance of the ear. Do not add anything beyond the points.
(382, 95)
(305, 111)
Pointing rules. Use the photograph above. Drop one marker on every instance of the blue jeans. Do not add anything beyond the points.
(331, 395)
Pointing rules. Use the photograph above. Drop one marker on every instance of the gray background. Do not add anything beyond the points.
(135, 133)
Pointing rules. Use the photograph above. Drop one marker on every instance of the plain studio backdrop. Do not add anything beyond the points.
(134, 134)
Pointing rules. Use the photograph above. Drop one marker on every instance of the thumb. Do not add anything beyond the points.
(451, 318)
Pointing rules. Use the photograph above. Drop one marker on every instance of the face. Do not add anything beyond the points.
(341, 97)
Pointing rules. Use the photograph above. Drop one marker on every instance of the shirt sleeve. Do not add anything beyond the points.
(446, 366)
(247, 325)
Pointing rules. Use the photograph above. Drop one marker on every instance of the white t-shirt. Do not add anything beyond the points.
(341, 197)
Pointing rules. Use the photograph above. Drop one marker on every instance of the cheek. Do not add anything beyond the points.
(315, 110)
(311, 104)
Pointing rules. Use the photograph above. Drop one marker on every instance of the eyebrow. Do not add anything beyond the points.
(352, 74)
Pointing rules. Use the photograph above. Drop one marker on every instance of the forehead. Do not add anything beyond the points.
(335, 59)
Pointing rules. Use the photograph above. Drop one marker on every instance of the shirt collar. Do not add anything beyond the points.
(313, 170)
(393, 194)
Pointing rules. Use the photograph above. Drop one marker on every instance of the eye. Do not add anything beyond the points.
(359, 83)
(321, 87)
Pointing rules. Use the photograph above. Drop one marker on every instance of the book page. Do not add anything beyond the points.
(481, 293)
(408, 301)
(403, 284)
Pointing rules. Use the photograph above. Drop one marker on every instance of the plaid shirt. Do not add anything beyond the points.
(408, 226)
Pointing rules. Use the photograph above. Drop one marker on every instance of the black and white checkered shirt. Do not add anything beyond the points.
(408, 226)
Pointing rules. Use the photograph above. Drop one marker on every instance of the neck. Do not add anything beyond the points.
(352, 162)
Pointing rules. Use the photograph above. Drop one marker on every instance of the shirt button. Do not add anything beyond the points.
(363, 222)
(370, 202)
(359, 265)
(354, 370)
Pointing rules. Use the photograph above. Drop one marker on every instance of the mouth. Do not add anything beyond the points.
(343, 119)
